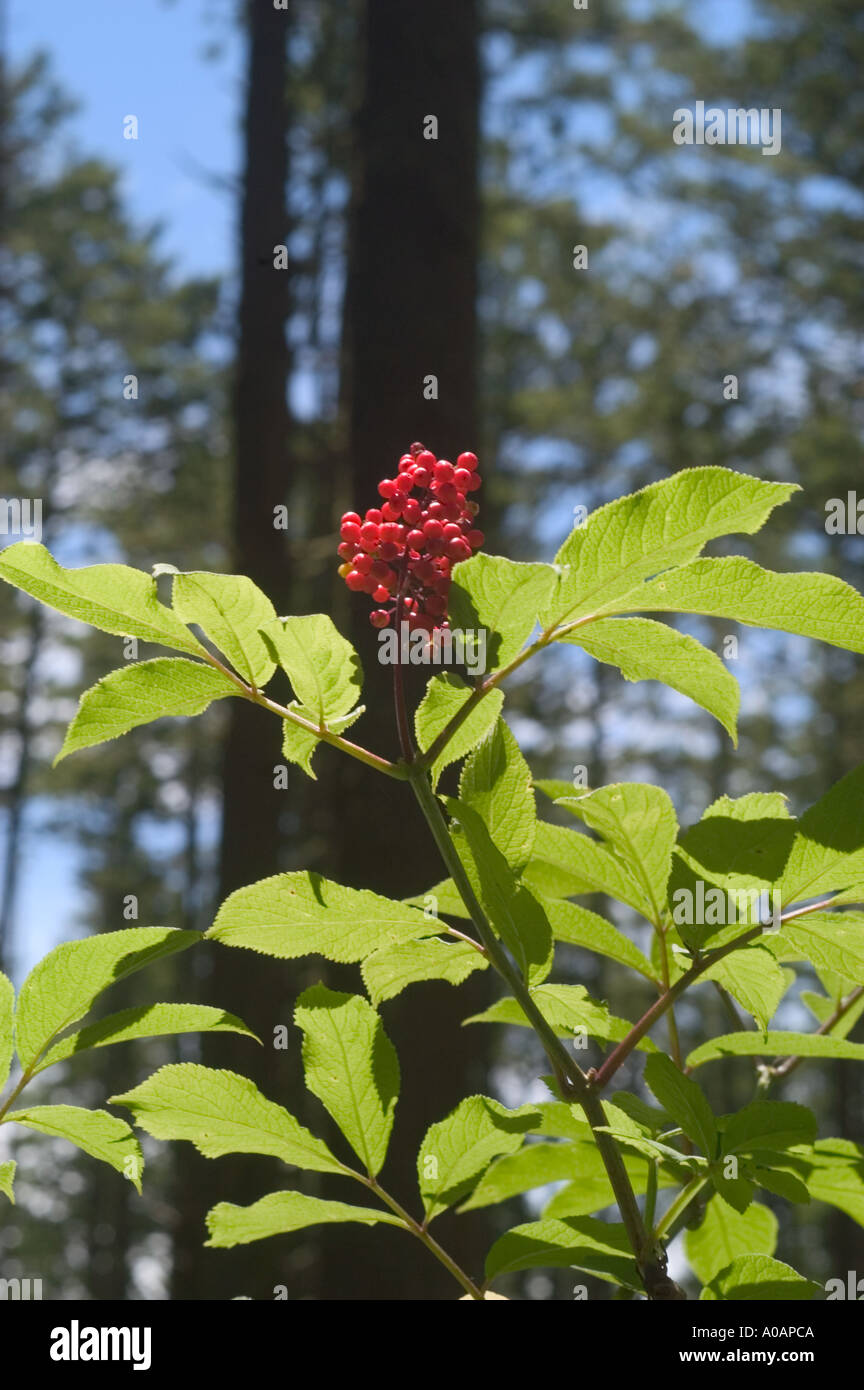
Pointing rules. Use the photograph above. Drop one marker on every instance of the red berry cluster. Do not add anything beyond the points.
(403, 551)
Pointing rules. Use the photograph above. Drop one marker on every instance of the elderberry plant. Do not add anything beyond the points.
(738, 899)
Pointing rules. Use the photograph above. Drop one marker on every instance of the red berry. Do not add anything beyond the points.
(411, 510)
(451, 530)
(391, 511)
(425, 459)
(355, 581)
(415, 539)
(387, 487)
(468, 461)
(375, 516)
(369, 533)
(449, 495)
(416, 448)
(433, 529)
(346, 550)
(350, 516)
(405, 481)
(461, 479)
(444, 472)
(422, 477)
(388, 550)
(350, 531)
(476, 481)
(363, 564)
(436, 604)
(435, 509)
(378, 617)
(380, 594)
(458, 549)
(405, 462)
(475, 539)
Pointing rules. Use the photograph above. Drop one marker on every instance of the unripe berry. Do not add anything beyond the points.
(343, 570)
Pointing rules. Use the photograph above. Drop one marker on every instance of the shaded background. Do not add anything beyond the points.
(303, 128)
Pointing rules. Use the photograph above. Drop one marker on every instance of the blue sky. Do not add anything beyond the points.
(147, 58)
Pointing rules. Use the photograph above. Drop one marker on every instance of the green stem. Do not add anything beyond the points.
(676, 1209)
(572, 1082)
(423, 1235)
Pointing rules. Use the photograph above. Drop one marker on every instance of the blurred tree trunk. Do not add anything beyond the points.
(410, 314)
(250, 848)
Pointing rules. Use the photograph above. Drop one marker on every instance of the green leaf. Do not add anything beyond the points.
(113, 598)
(301, 914)
(299, 744)
(352, 1067)
(322, 666)
(566, 862)
(754, 1278)
(811, 605)
(823, 1008)
(567, 1009)
(832, 941)
(753, 977)
(740, 845)
(61, 988)
(599, 1247)
(501, 597)
(515, 913)
(140, 693)
(457, 1150)
(828, 851)
(7, 1028)
(684, 1100)
(532, 1166)
(635, 537)
(782, 1184)
(639, 824)
(230, 610)
(644, 650)
(579, 927)
(445, 695)
(769, 1124)
(738, 1193)
(775, 1045)
(496, 784)
(386, 973)
(7, 1178)
(835, 1174)
(282, 1212)
(447, 899)
(223, 1113)
(724, 1234)
(97, 1133)
(147, 1021)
